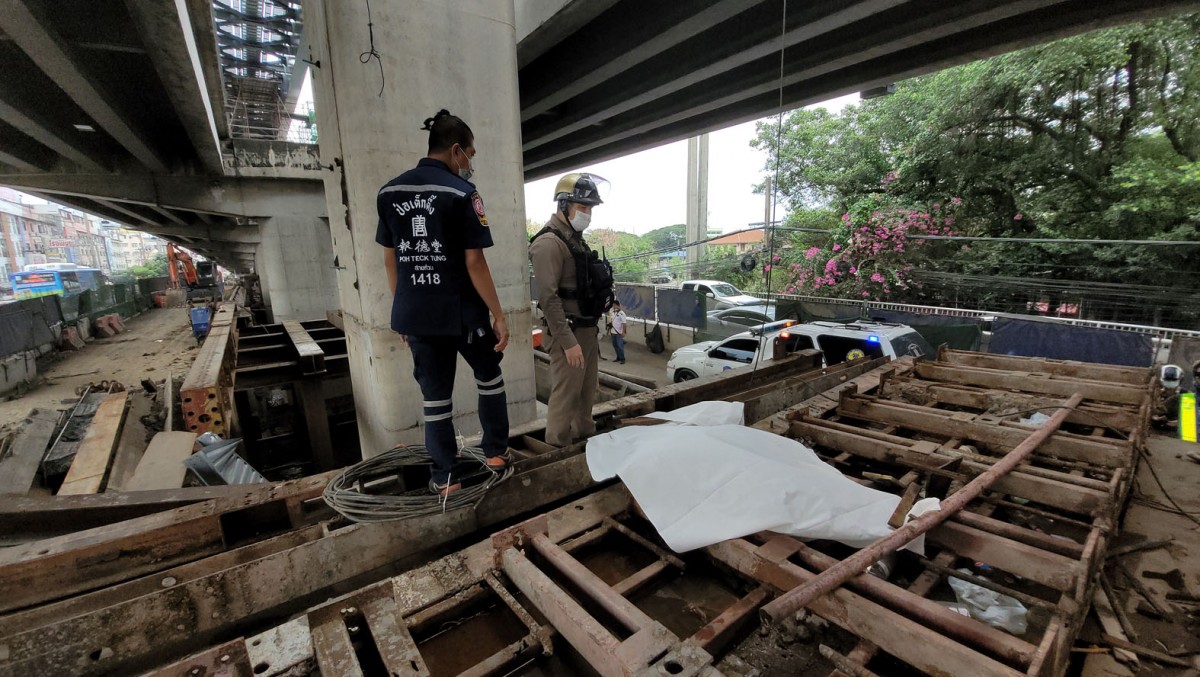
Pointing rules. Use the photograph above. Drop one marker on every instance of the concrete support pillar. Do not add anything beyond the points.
(294, 261)
(697, 197)
(455, 55)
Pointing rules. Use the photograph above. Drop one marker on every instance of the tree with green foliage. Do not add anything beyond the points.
(1091, 137)
(155, 267)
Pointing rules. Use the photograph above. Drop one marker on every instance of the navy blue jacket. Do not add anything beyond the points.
(429, 217)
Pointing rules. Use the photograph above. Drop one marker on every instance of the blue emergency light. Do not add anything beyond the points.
(872, 339)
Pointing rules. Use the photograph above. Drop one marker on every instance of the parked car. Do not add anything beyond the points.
(661, 277)
(837, 342)
(729, 321)
(721, 294)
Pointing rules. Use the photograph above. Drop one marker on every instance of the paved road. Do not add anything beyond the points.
(639, 361)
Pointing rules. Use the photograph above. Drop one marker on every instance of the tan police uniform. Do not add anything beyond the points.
(572, 390)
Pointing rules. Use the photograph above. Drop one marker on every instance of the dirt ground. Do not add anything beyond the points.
(154, 343)
(1151, 518)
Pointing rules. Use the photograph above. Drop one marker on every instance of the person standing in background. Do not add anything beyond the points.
(619, 325)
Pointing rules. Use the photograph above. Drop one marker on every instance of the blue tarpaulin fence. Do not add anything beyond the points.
(682, 307)
(637, 301)
(1031, 338)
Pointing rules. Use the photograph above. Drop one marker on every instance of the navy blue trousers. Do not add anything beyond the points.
(435, 360)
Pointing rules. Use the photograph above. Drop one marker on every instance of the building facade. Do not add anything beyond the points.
(35, 234)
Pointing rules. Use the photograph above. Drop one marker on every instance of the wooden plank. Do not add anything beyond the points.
(168, 402)
(1050, 569)
(765, 401)
(19, 468)
(1002, 438)
(1112, 627)
(162, 466)
(131, 444)
(822, 404)
(1031, 383)
(1137, 376)
(924, 649)
(1165, 659)
(309, 354)
(95, 453)
(1054, 493)
(1120, 417)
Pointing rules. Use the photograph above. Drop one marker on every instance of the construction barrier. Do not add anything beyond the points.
(1038, 338)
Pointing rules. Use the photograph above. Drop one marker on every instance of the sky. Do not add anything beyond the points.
(649, 189)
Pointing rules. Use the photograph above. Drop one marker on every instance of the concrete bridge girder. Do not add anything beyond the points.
(232, 197)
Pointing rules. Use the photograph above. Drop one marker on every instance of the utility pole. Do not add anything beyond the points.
(697, 197)
(768, 204)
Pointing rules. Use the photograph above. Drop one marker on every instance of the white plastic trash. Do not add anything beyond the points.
(989, 606)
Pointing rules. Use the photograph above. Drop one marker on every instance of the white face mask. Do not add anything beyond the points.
(581, 221)
(465, 173)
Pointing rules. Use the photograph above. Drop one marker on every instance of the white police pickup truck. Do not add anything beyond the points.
(838, 343)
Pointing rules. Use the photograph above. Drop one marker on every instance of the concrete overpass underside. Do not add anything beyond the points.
(604, 79)
(122, 108)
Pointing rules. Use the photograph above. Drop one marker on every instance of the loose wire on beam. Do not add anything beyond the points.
(371, 52)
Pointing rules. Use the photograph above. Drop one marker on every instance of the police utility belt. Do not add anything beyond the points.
(572, 321)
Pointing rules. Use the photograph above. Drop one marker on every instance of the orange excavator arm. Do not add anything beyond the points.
(177, 258)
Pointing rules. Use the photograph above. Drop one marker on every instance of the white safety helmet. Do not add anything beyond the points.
(1170, 376)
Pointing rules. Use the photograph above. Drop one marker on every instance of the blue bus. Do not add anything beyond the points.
(66, 282)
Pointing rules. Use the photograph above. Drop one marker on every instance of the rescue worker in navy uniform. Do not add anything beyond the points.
(434, 229)
(574, 292)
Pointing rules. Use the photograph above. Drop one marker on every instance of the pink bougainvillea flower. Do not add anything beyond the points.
(1018, 217)
(956, 201)
(876, 277)
(837, 247)
(866, 294)
(813, 251)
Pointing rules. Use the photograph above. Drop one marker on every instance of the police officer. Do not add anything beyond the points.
(574, 292)
(434, 229)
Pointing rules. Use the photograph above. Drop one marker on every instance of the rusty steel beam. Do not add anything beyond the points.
(206, 396)
(833, 577)
(592, 640)
(714, 636)
(633, 618)
(931, 614)
(894, 633)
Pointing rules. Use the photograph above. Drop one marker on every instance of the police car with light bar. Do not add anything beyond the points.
(837, 342)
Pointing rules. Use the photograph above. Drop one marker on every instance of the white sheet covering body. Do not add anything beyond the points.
(703, 484)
